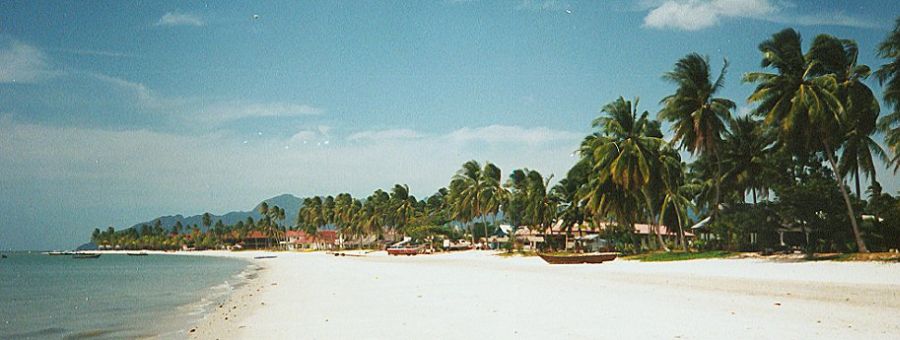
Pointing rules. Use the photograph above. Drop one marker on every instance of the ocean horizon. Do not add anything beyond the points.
(112, 297)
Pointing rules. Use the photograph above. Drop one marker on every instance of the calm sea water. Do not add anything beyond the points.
(112, 297)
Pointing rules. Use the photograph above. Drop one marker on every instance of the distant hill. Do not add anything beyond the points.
(288, 202)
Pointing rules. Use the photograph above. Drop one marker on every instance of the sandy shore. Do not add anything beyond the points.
(476, 294)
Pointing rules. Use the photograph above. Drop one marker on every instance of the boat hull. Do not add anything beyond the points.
(404, 251)
(578, 258)
(85, 256)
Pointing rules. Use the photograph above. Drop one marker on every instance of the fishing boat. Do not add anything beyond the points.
(577, 258)
(141, 253)
(85, 256)
(406, 250)
(58, 253)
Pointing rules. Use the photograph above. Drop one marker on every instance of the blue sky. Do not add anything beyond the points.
(112, 113)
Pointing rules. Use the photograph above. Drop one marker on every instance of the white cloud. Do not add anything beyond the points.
(22, 63)
(140, 91)
(235, 110)
(179, 19)
(694, 15)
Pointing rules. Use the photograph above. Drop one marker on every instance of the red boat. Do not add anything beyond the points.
(408, 251)
(578, 258)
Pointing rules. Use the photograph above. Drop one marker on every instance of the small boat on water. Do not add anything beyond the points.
(577, 258)
(137, 254)
(85, 256)
(3, 256)
(265, 257)
(59, 252)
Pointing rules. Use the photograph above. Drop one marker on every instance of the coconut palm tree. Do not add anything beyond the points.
(698, 117)
(470, 188)
(402, 205)
(839, 57)
(567, 195)
(206, 220)
(889, 77)
(623, 154)
(801, 106)
(745, 152)
(676, 194)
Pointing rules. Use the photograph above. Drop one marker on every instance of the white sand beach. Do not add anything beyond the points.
(480, 295)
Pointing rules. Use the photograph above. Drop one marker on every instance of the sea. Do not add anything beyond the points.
(114, 296)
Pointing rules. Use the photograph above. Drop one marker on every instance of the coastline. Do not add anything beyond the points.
(225, 317)
(224, 313)
(315, 295)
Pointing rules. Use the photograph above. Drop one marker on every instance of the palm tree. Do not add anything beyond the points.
(402, 205)
(801, 106)
(622, 157)
(470, 188)
(889, 77)
(698, 117)
(746, 151)
(839, 57)
(206, 220)
(567, 195)
(676, 194)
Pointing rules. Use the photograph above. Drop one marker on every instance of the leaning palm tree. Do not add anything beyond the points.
(675, 193)
(801, 106)
(698, 117)
(889, 77)
(839, 57)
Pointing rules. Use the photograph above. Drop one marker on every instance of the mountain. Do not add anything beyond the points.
(290, 204)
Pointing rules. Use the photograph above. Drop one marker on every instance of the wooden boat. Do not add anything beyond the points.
(58, 253)
(85, 256)
(408, 251)
(138, 254)
(578, 258)
(265, 257)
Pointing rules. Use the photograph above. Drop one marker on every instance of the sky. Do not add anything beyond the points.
(116, 112)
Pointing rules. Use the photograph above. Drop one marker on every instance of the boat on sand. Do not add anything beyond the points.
(408, 250)
(577, 258)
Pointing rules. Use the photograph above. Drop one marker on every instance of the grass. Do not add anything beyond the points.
(876, 257)
(678, 256)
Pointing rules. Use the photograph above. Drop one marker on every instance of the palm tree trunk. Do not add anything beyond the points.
(718, 197)
(860, 244)
(754, 196)
(858, 191)
(662, 243)
(681, 230)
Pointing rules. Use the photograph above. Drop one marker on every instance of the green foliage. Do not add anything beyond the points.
(679, 256)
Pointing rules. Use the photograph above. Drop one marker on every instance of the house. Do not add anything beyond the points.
(256, 240)
(298, 239)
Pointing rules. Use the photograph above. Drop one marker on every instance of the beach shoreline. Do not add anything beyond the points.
(319, 296)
